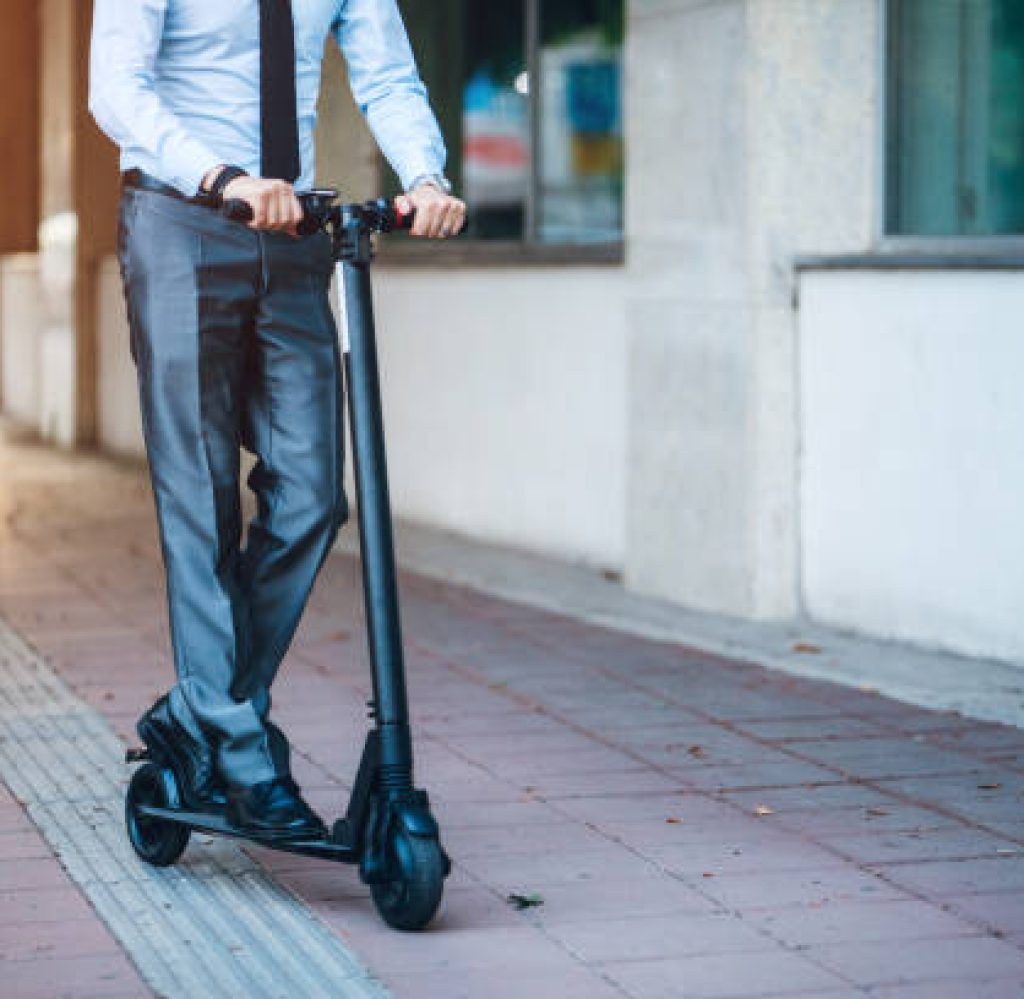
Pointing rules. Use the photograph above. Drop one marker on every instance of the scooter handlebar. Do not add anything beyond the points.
(386, 216)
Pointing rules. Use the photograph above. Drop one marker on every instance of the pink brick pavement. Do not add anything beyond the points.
(696, 827)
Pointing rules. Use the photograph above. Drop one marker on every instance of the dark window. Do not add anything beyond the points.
(956, 118)
(528, 93)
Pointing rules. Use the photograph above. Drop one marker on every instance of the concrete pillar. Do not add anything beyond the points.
(78, 175)
(19, 125)
(751, 140)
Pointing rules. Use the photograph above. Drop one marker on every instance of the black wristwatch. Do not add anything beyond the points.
(228, 174)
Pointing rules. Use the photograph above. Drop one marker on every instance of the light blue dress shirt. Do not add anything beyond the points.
(176, 84)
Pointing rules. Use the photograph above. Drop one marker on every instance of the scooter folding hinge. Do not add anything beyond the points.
(371, 711)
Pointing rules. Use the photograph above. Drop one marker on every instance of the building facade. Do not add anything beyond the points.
(738, 318)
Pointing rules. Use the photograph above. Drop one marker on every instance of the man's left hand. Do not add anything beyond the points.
(437, 215)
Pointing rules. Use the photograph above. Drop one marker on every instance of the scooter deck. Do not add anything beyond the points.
(327, 848)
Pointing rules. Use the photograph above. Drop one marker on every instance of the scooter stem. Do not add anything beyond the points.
(380, 585)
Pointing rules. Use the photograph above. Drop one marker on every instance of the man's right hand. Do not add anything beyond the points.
(273, 203)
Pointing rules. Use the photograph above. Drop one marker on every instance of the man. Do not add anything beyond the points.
(235, 344)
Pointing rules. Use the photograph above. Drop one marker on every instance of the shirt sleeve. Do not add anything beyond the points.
(122, 94)
(388, 89)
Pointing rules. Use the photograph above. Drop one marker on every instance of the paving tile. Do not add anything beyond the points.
(627, 807)
(631, 782)
(754, 775)
(64, 939)
(992, 793)
(774, 890)
(526, 872)
(837, 726)
(614, 899)
(491, 840)
(826, 824)
(479, 815)
(946, 878)
(932, 844)
(462, 950)
(1012, 988)
(889, 758)
(982, 739)
(841, 794)
(31, 874)
(768, 852)
(567, 983)
(999, 911)
(806, 926)
(914, 961)
(680, 828)
(641, 938)
(717, 976)
(23, 844)
(72, 977)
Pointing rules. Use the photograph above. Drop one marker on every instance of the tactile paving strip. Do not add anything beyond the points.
(215, 924)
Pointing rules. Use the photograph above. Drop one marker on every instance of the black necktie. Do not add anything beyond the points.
(279, 121)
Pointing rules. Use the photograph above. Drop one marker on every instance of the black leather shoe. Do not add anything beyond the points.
(273, 809)
(191, 760)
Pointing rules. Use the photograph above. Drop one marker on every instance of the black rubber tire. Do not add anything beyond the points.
(412, 901)
(155, 841)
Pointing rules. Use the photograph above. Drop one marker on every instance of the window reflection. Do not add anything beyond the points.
(474, 58)
(956, 119)
(581, 151)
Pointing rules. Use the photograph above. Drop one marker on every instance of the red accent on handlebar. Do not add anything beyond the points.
(403, 220)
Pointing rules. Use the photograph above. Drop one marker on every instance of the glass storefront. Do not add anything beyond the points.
(955, 156)
(529, 96)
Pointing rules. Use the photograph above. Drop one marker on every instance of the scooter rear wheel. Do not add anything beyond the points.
(410, 901)
(156, 841)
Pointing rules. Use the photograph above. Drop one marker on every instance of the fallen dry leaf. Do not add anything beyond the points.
(876, 813)
(674, 820)
(807, 649)
(697, 752)
(989, 787)
(524, 901)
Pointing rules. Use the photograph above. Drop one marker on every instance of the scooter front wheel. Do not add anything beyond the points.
(156, 841)
(410, 899)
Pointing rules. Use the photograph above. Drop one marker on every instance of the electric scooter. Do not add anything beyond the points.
(388, 828)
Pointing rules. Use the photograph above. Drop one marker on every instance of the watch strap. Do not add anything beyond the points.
(228, 174)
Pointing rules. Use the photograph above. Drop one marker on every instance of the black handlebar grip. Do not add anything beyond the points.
(236, 210)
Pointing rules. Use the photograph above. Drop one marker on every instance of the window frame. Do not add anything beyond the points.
(901, 250)
(529, 250)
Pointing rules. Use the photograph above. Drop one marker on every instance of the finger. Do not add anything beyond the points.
(450, 226)
(272, 214)
(289, 209)
(420, 221)
(435, 221)
(259, 210)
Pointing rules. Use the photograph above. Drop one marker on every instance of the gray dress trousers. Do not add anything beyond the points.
(235, 346)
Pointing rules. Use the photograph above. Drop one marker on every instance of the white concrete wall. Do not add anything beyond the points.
(20, 331)
(505, 396)
(912, 423)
